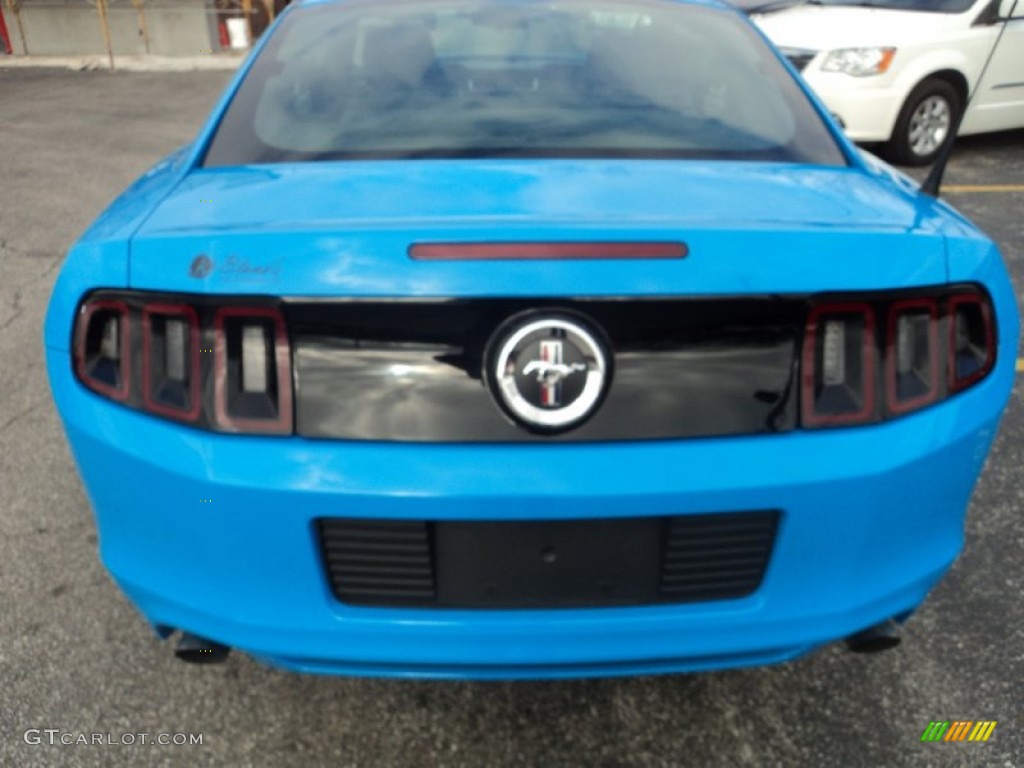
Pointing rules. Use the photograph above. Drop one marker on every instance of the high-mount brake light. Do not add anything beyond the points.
(530, 251)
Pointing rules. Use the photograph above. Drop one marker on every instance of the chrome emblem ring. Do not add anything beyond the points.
(549, 372)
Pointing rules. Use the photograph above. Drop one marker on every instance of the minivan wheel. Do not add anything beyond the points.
(925, 123)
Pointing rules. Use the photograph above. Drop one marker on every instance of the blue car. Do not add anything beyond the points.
(527, 339)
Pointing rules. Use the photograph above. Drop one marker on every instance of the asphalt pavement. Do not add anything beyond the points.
(75, 657)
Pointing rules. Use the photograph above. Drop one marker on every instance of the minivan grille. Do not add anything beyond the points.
(799, 57)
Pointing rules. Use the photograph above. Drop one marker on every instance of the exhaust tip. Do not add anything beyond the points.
(880, 637)
(198, 650)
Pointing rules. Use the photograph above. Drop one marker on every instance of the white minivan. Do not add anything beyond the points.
(899, 72)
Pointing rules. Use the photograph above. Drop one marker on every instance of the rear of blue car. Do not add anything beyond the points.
(490, 351)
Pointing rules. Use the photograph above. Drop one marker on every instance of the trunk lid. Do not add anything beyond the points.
(344, 229)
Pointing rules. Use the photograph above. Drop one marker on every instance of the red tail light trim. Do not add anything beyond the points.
(283, 369)
(957, 300)
(809, 416)
(81, 331)
(896, 309)
(533, 251)
(171, 310)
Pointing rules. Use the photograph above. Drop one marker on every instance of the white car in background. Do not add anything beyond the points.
(899, 72)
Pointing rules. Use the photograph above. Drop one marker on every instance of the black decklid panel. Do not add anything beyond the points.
(414, 370)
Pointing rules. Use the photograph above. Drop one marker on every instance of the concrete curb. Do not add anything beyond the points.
(215, 61)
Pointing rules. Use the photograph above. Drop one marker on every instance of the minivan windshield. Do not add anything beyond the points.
(560, 78)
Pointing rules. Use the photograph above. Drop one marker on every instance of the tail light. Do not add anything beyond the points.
(912, 340)
(839, 364)
(912, 370)
(252, 380)
(226, 368)
(971, 340)
(102, 344)
(170, 360)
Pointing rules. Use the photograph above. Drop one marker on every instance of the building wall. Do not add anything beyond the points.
(72, 28)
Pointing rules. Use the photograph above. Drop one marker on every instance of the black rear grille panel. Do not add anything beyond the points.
(379, 561)
(411, 370)
(717, 556)
(801, 61)
(547, 563)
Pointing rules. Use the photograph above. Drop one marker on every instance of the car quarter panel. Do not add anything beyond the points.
(102, 255)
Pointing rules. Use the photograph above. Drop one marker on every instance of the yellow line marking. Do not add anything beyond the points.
(967, 188)
(1020, 365)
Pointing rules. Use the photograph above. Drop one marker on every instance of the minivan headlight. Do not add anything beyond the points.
(859, 62)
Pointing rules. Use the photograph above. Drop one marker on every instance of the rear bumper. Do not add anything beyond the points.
(214, 534)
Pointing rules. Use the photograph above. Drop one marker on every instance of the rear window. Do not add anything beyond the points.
(562, 78)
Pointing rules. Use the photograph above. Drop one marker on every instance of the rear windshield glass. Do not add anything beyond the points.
(561, 78)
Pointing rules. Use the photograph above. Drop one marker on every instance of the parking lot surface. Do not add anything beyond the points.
(74, 655)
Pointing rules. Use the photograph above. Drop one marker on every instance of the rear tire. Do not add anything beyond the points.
(925, 123)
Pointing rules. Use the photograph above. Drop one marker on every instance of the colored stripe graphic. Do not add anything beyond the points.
(958, 730)
(982, 730)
